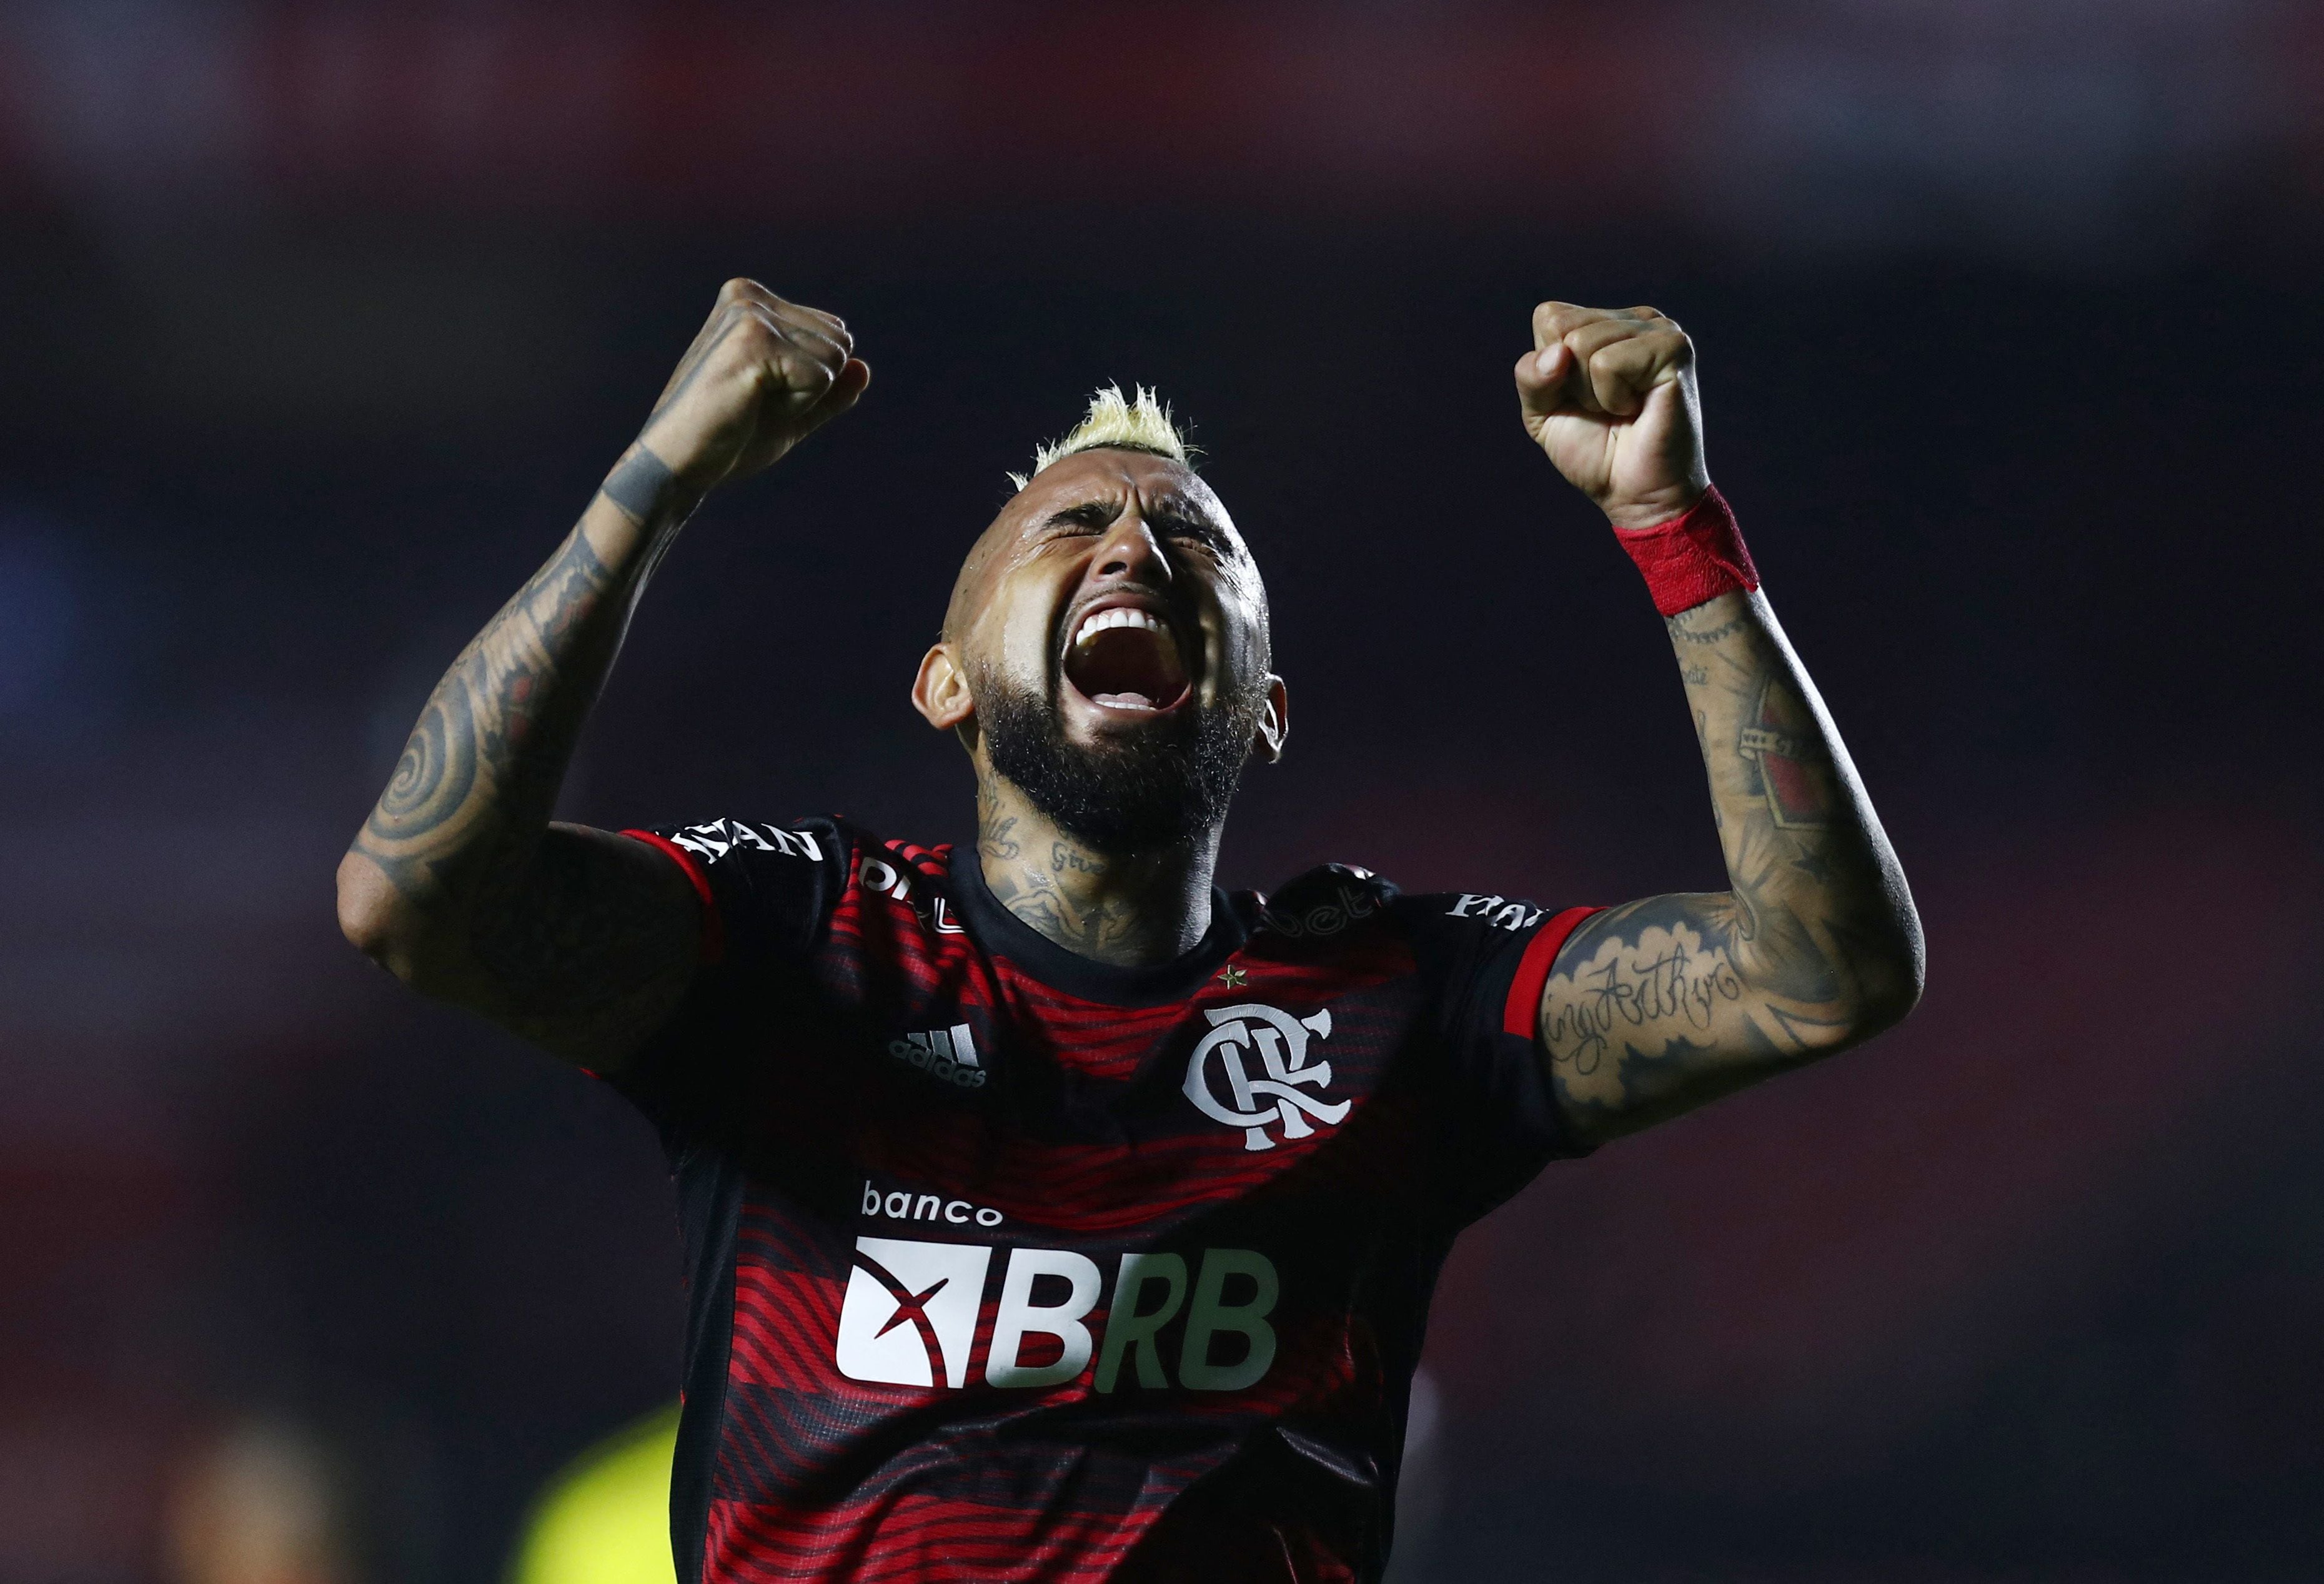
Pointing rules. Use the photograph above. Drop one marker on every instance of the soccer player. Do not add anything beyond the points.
(1050, 1213)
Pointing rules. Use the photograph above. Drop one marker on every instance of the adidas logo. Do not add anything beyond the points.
(949, 1055)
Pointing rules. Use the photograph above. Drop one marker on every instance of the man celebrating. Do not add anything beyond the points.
(1050, 1213)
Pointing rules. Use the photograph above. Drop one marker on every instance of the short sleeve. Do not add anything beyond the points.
(1486, 959)
(765, 891)
(764, 888)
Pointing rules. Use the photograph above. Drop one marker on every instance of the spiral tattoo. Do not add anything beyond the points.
(573, 938)
(438, 771)
(482, 735)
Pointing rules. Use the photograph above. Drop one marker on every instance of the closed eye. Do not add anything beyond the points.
(1091, 517)
(1096, 516)
(1192, 529)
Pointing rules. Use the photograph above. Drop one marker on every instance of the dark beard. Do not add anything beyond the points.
(1154, 787)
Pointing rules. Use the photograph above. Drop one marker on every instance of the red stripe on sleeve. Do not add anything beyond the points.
(1522, 1016)
(713, 928)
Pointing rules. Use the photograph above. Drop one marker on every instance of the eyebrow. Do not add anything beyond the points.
(1180, 516)
(1088, 514)
(1171, 511)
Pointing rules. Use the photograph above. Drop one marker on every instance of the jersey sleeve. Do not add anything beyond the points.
(1486, 959)
(766, 891)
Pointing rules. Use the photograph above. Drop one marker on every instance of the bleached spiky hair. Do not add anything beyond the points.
(1115, 419)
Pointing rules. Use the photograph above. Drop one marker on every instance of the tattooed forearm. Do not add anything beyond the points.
(1685, 628)
(641, 484)
(1801, 842)
(498, 727)
(1654, 1007)
(458, 882)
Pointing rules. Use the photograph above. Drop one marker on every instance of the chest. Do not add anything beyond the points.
(1286, 1071)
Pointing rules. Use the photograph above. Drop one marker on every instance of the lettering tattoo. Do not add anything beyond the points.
(1684, 629)
(1066, 859)
(1654, 1007)
(1665, 976)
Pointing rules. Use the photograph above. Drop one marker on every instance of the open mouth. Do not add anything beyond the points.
(1124, 658)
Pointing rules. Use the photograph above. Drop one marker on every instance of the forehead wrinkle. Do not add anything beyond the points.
(1189, 495)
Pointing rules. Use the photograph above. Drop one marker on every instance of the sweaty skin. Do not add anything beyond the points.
(1101, 527)
(585, 943)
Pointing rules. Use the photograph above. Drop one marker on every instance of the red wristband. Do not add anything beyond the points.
(1691, 557)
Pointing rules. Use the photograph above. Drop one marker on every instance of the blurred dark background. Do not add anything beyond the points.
(319, 323)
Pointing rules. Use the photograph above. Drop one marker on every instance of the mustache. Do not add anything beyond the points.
(1154, 787)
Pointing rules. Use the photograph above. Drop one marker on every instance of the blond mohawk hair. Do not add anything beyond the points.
(1144, 424)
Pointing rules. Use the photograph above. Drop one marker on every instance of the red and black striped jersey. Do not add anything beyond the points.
(1006, 1264)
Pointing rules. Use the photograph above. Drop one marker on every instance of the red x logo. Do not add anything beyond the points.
(909, 1306)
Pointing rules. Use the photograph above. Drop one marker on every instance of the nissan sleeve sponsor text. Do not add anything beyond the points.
(1497, 911)
(713, 841)
(909, 1316)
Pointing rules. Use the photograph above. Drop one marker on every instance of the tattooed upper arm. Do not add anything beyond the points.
(586, 948)
(1654, 1008)
(591, 949)
(1647, 1013)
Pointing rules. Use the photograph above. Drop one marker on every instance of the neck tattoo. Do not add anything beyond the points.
(1128, 909)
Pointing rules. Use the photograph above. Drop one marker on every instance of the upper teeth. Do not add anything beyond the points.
(1119, 616)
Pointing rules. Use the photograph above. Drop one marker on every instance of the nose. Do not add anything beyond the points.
(1130, 553)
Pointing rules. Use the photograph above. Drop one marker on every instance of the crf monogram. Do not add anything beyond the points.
(1280, 1042)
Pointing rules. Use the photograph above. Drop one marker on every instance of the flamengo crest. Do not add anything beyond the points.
(1277, 1042)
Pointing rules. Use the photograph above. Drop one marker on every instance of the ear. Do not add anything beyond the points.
(1274, 723)
(940, 692)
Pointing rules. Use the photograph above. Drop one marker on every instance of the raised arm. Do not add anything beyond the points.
(578, 941)
(1652, 1008)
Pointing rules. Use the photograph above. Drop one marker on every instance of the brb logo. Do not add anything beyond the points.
(910, 1313)
(1279, 1041)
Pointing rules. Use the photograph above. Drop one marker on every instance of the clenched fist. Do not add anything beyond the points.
(761, 376)
(1608, 393)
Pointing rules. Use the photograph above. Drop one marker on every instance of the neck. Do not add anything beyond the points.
(1127, 909)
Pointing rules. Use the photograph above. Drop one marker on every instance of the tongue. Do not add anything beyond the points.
(1128, 668)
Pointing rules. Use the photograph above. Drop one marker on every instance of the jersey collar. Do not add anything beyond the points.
(1003, 933)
